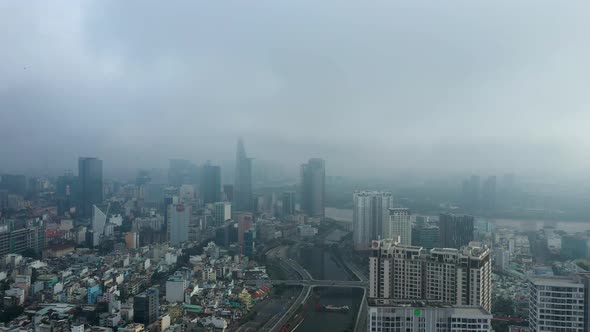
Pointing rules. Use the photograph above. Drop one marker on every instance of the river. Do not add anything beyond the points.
(519, 224)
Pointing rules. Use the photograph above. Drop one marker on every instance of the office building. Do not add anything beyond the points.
(99, 221)
(471, 193)
(14, 184)
(313, 178)
(179, 216)
(399, 226)
(427, 236)
(488, 194)
(182, 172)
(557, 304)
(222, 236)
(146, 307)
(249, 242)
(16, 236)
(222, 212)
(425, 316)
(67, 192)
(370, 219)
(451, 276)
(288, 203)
(245, 223)
(90, 177)
(456, 231)
(242, 200)
(228, 192)
(210, 183)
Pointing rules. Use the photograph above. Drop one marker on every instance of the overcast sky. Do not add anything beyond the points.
(370, 86)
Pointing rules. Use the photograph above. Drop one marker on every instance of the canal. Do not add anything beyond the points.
(323, 263)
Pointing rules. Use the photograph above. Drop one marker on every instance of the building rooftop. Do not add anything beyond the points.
(555, 281)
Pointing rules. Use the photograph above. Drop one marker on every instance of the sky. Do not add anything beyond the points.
(372, 87)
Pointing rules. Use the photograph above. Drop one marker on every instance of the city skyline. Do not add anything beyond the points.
(455, 89)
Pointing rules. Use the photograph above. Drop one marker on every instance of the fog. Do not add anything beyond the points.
(372, 87)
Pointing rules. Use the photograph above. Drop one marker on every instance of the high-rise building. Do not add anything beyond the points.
(245, 223)
(488, 194)
(399, 226)
(228, 192)
(557, 304)
(288, 201)
(68, 193)
(14, 184)
(243, 180)
(90, 177)
(313, 178)
(451, 276)
(249, 238)
(222, 212)
(182, 172)
(210, 183)
(146, 307)
(427, 236)
(425, 316)
(456, 231)
(179, 216)
(370, 218)
(99, 220)
(471, 193)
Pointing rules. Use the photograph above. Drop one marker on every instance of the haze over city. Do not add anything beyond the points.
(424, 86)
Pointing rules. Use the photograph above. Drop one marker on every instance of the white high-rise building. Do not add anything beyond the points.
(556, 304)
(450, 276)
(99, 220)
(175, 288)
(178, 223)
(399, 226)
(222, 212)
(370, 215)
(424, 316)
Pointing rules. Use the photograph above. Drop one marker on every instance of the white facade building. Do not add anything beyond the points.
(222, 212)
(451, 276)
(175, 288)
(99, 220)
(419, 316)
(178, 223)
(370, 217)
(556, 304)
(399, 226)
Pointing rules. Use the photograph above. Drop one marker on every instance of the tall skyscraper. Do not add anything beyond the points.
(449, 276)
(288, 203)
(313, 179)
(68, 193)
(90, 177)
(488, 194)
(245, 223)
(210, 183)
(179, 216)
(228, 192)
(182, 172)
(456, 231)
(471, 193)
(370, 219)
(243, 180)
(146, 307)
(558, 304)
(399, 226)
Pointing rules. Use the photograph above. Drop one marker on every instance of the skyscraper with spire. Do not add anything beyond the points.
(243, 180)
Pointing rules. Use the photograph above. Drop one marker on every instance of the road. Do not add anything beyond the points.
(314, 283)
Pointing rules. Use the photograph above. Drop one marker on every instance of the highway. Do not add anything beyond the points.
(314, 283)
